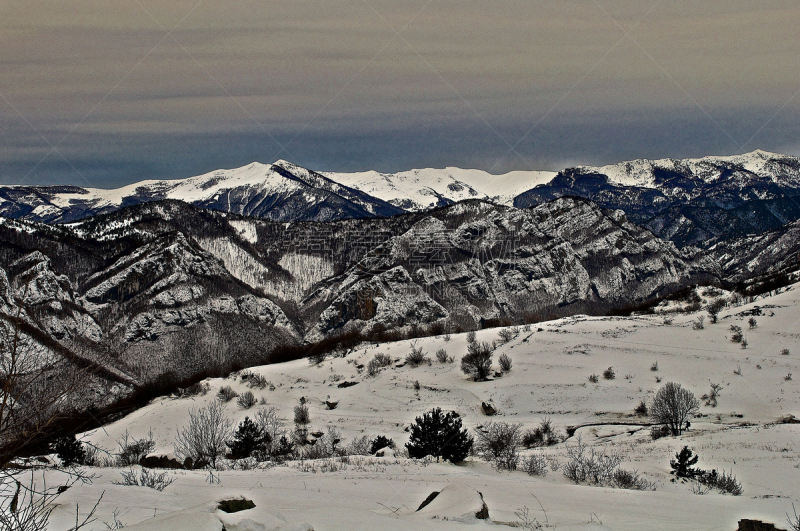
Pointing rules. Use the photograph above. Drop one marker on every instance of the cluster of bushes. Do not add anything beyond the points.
(601, 468)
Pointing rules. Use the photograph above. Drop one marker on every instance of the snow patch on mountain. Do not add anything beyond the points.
(427, 188)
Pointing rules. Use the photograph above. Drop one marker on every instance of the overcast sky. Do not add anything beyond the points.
(104, 93)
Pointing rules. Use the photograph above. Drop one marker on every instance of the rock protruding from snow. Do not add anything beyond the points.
(457, 502)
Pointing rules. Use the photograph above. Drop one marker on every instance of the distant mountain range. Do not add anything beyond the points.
(686, 201)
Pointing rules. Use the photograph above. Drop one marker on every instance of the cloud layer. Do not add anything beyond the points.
(103, 93)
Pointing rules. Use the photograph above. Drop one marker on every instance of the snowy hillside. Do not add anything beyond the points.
(747, 432)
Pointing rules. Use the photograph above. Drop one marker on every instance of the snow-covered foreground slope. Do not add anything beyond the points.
(549, 378)
(427, 188)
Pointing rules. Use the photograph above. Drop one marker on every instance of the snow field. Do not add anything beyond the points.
(549, 378)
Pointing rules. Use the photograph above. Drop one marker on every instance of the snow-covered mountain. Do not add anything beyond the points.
(688, 201)
(428, 188)
(281, 191)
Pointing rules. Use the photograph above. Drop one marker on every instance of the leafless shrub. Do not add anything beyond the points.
(713, 394)
(226, 393)
(526, 521)
(505, 362)
(535, 465)
(788, 377)
(132, 450)
(594, 378)
(145, 478)
(441, 355)
(316, 357)
(499, 443)
(271, 424)
(654, 366)
(302, 417)
(373, 369)
(698, 324)
(359, 446)
(593, 467)
(506, 335)
(416, 357)
(785, 352)
(716, 306)
(26, 505)
(752, 322)
(247, 400)
(478, 361)
(794, 522)
(383, 360)
(203, 439)
(631, 480)
(744, 343)
(257, 381)
(197, 389)
(725, 483)
(738, 370)
(543, 435)
(657, 432)
(471, 336)
(609, 374)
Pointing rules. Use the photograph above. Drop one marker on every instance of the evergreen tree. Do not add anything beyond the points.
(285, 448)
(683, 463)
(69, 450)
(441, 435)
(379, 443)
(248, 438)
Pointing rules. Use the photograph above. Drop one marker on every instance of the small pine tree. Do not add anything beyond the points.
(683, 463)
(478, 361)
(440, 435)
(285, 447)
(69, 450)
(380, 442)
(248, 438)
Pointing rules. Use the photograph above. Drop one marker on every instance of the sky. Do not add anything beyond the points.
(104, 93)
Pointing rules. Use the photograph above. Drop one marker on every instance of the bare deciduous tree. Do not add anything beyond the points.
(37, 389)
(672, 407)
(203, 439)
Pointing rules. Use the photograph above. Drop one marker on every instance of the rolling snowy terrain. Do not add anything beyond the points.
(746, 433)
